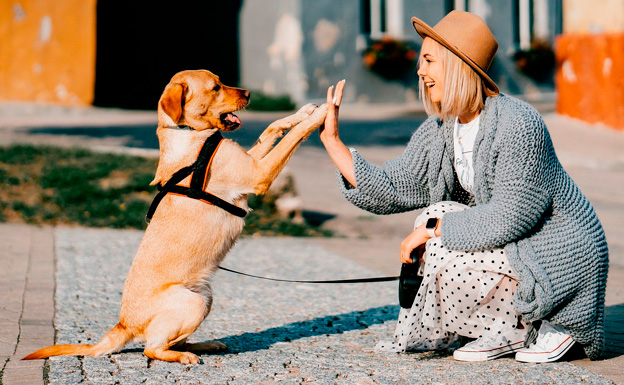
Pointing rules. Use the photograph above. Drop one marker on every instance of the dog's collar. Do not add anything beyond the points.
(199, 175)
(188, 128)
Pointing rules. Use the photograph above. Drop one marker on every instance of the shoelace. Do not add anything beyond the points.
(484, 341)
(545, 336)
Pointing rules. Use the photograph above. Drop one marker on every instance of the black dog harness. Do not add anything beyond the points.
(195, 190)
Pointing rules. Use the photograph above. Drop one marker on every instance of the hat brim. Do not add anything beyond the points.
(424, 30)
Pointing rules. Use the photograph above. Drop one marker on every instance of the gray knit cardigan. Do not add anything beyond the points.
(525, 202)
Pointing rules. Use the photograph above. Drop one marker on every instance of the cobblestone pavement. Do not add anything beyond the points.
(276, 332)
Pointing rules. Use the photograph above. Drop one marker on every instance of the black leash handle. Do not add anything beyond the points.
(354, 280)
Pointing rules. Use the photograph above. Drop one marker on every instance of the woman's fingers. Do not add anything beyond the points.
(413, 241)
(330, 96)
(405, 252)
(337, 100)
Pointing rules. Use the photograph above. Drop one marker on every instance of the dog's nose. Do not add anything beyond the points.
(246, 94)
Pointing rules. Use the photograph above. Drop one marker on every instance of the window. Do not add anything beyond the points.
(531, 22)
(382, 17)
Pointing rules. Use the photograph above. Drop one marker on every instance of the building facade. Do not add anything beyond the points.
(111, 53)
(117, 53)
(47, 51)
(300, 47)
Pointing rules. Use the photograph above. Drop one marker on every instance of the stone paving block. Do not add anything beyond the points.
(27, 307)
(276, 332)
(23, 372)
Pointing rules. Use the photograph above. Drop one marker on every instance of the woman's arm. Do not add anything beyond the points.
(337, 151)
(400, 185)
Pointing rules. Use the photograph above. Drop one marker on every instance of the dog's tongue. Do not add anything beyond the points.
(230, 117)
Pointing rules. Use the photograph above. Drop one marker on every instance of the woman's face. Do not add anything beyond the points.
(431, 70)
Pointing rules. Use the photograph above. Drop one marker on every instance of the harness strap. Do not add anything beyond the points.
(199, 170)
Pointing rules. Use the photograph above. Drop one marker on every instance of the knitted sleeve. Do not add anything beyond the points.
(400, 185)
(519, 195)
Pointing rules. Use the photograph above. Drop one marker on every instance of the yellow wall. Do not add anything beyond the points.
(47, 50)
(593, 16)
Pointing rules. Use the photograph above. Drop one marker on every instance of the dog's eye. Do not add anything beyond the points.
(216, 87)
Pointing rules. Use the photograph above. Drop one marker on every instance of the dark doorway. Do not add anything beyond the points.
(141, 44)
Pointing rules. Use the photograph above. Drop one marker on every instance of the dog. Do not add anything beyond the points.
(167, 292)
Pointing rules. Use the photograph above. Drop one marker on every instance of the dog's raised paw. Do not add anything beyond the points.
(308, 109)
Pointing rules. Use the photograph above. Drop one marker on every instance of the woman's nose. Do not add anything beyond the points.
(421, 71)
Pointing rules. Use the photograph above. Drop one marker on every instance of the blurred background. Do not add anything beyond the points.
(89, 73)
(114, 53)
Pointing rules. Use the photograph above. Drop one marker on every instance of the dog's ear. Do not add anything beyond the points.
(171, 104)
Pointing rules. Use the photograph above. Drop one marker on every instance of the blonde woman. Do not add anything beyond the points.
(514, 255)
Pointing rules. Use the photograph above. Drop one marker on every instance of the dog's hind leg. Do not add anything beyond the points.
(180, 315)
(166, 354)
(267, 139)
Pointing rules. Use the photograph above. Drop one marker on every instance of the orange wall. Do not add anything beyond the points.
(47, 50)
(590, 77)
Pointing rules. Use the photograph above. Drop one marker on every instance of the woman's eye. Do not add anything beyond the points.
(216, 87)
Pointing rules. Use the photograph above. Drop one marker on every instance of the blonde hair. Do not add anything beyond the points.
(464, 90)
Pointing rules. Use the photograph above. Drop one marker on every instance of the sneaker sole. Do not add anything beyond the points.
(486, 355)
(546, 356)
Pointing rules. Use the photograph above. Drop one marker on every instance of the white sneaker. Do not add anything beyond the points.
(491, 347)
(551, 344)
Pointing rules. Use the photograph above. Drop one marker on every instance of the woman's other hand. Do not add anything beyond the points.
(417, 239)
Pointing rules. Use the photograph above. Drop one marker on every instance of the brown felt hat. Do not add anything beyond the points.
(467, 36)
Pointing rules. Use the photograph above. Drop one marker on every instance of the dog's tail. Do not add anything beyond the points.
(113, 341)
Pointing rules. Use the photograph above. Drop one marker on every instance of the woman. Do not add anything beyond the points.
(514, 253)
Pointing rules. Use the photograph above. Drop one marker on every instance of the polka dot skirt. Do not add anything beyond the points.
(462, 294)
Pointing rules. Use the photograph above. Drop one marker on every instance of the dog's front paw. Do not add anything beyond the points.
(318, 116)
(307, 110)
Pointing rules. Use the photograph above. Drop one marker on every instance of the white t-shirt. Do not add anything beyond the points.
(463, 138)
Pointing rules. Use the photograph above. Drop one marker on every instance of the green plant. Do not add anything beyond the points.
(538, 62)
(75, 186)
(260, 101)
(390, 58)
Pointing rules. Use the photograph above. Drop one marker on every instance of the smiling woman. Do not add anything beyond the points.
(511, 252)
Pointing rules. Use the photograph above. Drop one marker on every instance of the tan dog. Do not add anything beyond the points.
(167, 293)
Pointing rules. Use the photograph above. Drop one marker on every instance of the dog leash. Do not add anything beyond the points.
(354, 280)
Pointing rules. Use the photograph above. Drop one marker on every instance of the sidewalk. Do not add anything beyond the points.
(592, 155)
(276, 332)
(26, 305)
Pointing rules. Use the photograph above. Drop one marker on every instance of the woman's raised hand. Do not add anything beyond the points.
(329, 131)
(338, 152)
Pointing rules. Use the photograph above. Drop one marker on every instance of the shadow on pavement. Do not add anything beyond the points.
(614, 334)
(331, 324)
(358, 320)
